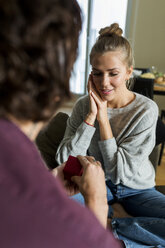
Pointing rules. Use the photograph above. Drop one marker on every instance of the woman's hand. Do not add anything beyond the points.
(101, 107)
(97, 104)
(93, 105)
(70, 187)
(92, 186)
(91, 117)
(102, 117)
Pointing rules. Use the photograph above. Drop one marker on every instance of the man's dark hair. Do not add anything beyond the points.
(38, 46)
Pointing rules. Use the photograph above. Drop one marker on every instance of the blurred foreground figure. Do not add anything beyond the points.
(38, 46)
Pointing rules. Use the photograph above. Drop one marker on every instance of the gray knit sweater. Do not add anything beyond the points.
(125, 157)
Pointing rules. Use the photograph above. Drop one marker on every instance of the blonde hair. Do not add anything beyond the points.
(111, 39)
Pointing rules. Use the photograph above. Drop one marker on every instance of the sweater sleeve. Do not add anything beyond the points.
(78, 135)
(124, 158)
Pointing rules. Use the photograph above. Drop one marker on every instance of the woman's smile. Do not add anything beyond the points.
(106, 91)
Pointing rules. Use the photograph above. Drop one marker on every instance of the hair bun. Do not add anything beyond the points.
(112, 29)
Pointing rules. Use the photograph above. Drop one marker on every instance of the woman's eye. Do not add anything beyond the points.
(113, 74)
(96, 74)
(99, 74)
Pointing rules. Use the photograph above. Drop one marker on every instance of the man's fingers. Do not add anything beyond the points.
(83, 161)
(63, 164)
(90, 158)
(76, 179)
(93, 160)
(98, 163)
(58, 170)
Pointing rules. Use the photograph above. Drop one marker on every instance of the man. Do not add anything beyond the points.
(38, 46)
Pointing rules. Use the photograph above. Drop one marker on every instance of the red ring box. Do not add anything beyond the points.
(72, 168)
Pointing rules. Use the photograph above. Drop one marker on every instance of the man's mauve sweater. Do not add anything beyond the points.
(125, 157)
(35, 211)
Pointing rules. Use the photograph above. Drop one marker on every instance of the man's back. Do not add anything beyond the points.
(34, 210)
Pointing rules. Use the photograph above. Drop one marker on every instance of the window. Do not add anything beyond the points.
(96, 15)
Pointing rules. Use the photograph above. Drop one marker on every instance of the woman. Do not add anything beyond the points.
(117, 127)
(36, 57)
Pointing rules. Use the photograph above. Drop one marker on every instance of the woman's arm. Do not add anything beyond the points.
(78, 134)
(126, 158)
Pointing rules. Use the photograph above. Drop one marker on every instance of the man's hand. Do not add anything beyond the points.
(70, 187)
(92, 186)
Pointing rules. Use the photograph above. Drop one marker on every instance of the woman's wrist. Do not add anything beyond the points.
(90, 119)
(92, 125)
(103, 121)
(105, 130)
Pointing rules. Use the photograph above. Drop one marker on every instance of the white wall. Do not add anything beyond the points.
(146, 31)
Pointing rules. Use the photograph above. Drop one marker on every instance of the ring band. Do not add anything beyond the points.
(97, 163)
(85, 159)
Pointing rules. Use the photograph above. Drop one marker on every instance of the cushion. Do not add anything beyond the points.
(50, 137)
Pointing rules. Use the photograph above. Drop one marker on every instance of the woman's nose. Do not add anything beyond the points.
(105, 81)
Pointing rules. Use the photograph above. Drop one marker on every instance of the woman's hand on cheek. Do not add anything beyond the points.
(100, 103)
(93, 87)
(101, 107)
(91, 117)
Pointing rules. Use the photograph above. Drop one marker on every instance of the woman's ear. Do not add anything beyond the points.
(129, 72)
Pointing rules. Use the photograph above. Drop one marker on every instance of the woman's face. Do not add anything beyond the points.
(110, 74)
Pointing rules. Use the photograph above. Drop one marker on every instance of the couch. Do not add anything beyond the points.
(51, 135)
